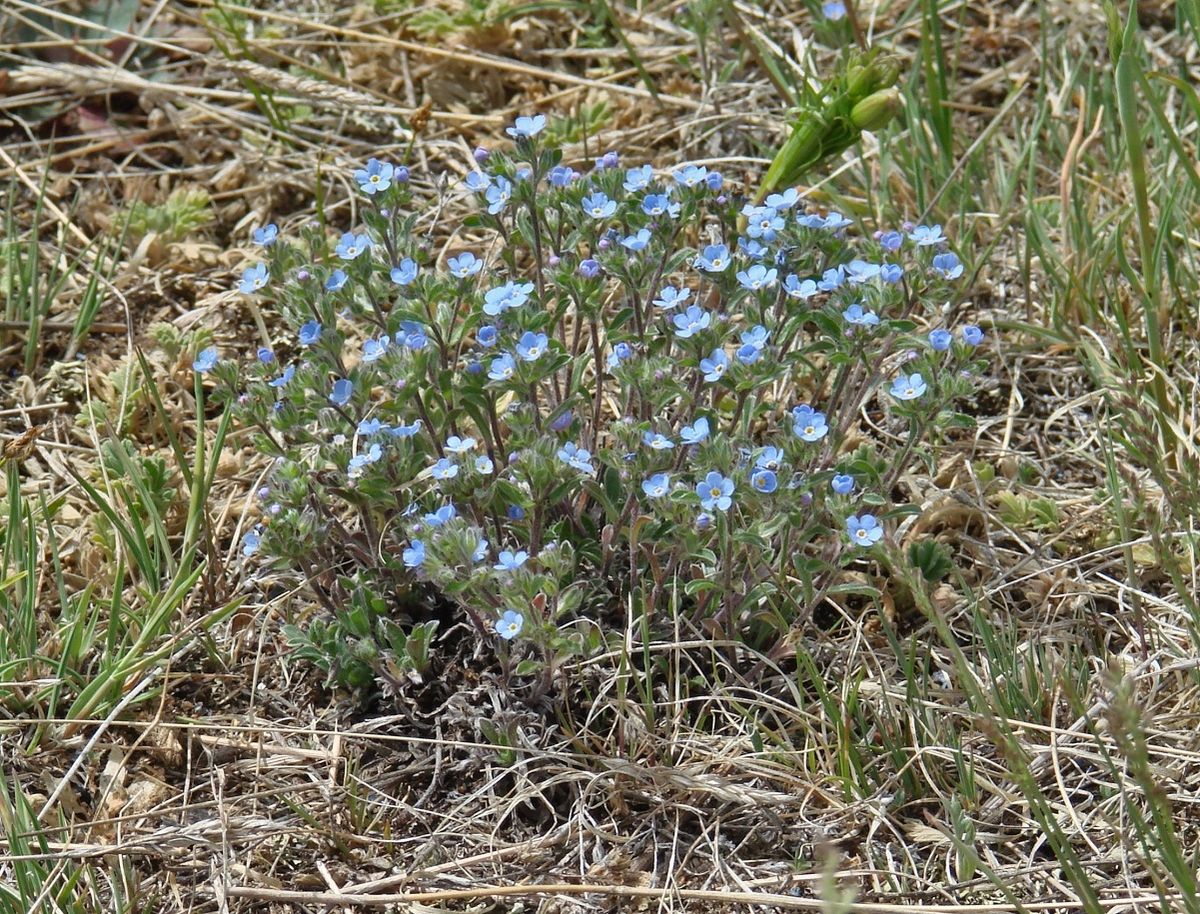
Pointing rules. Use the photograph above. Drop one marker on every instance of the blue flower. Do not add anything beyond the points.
(751, 249)
(972, 335)
(756, 336)
(502, 368)
(414, 555)
(660, 205)
(715, 491)
(891, 241)
(527, 126)
(864, 531)
(714, 181)
(351, 245)
(283, 379)
(657, 441)
(637, 242)
(457, 445)
(695, 433)
(405, 273)
(842, 484)
(927, 235)
(763, 481)
(375, 177)
(798, 288)
(265, 355)
(622, 351)
(414, 335)
(511, 561)
(498, 195)
(484, 465)
(835, 222)
(310, 333)
(763, 222)
(486, 336)
(441, 516)
(576, 457)
(561, 175)
(405, 431)
(832, 279)
(205, 360)
(715, 366)
(747, 354)
(757, 277)
(373, 350)
(266, 235)
(940, 340)
(251, 542)
(477, 181)
(531, 346)
(589, 268)
(343, 389)
(785, 200)
(502, 298)
(891, 272)
(253, 279)
(638, 178)
(671, 297)
(481, 550)
(657, 485)
(509, 625)
(515, 512)
(834, 10)
(464, 265)
(444, 469)
(714, 258)
(808, 424)
(908, 387)
(859, 271)
(598, 206)
(369, 427)
(858, 317)
(769, 458)
(336, 280)
(362, 459)
(690, 175)
(692, 321)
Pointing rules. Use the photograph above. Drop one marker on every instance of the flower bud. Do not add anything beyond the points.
(877, 109)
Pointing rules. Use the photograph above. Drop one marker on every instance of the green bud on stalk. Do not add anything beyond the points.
(877, 110)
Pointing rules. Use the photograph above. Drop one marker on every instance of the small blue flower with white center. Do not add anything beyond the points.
(481, 551)
(636, 242)
(808, 424)
(763, 481)
(842, 484)
(864, 531)
(756, 336)
(657, 441)
(405, 273)
(336, 280)
(695, 433)
(713, 259)
(266, 235)
(660, 205)
(343, 390)
(598, 206)
(835, 222)
(250, 542)
(532, 346)
(940, 339)
(206, 360)
(502, 368)
(561, 176)
(748, 355)
(638, 179)
(477, 181)
(527, 126)
(891, 241)
(947, 265)
(368, 427)
(484, 465)
(502, 298)
(464, 265)
(457, 445)
(414, 555)
(857, 317)
(971, 335)
(927, 235)
(444, 469)
(690, 175)
(589, 268)
(486, 336)
(374, 350)
(310, 333)
(657, 486)
(671, 297)
(283, 379)
(265, 355)
(832, 279)
(751, 249)
(859, 271)
(714, 181)
(509, 625)
(377, 176)
(414, 335)
(763, 222)
(769, 458)
(360, 461)
(351, 246)
(785, 200)
(253, 279)
(510, 561)
(891, 273)
(757, 277)
(576, 457)
(405, 431)
(834, 10)
(622, 351)
(908, 387)
(691, 322)
(715, 366)
(811, 220)
(715, 491)
(795, 287)
(498, 194)
(441, 516)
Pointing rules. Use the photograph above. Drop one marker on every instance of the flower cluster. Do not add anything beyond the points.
(615, 380)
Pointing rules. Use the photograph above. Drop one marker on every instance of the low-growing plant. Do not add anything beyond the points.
(597, 399)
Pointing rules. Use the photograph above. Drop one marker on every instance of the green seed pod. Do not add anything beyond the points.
(876, 110)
